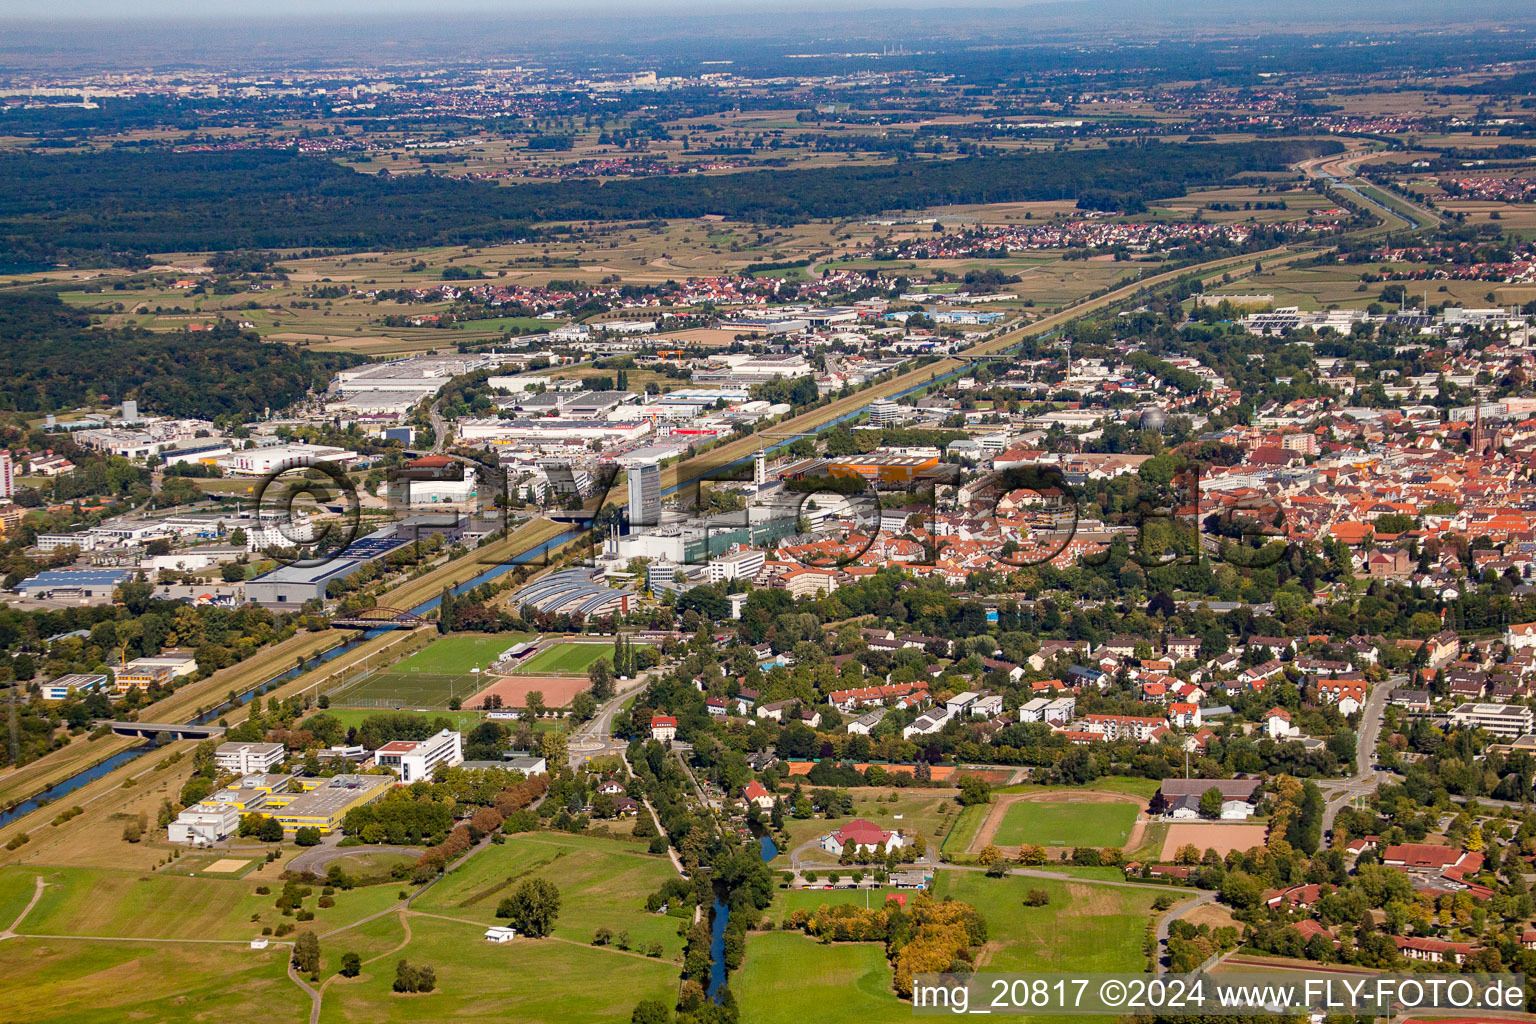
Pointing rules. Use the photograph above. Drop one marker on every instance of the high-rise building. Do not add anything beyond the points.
(884, 412)
(760, 468)
(645, 494)
(7, 476)
(130, 411)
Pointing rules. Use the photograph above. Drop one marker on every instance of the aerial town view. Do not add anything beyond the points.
(767, 513)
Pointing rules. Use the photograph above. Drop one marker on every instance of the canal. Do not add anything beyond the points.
(106, 767)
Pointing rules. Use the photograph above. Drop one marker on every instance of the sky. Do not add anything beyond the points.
(86, 10)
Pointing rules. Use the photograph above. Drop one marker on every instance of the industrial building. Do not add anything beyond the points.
(72, 584)
(883, 469)
(296, 584)
(326, 805)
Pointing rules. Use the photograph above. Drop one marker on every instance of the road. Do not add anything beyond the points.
(318, 858)
(1339, 794)
(1166, 925)
(594, 737)
(439, 426)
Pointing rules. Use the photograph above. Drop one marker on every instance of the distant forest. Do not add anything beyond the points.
(52, 359)
(98, 206)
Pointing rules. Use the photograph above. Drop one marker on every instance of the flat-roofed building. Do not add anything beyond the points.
(882, 468)
(76, 682)
(1499, 719)
(204, 824)
(249, 758)
(325, 806)
(415, 760)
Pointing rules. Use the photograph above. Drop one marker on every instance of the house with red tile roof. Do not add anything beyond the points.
(862, 836)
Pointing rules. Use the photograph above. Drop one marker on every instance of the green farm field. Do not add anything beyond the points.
(1066, 824)
(602, 883)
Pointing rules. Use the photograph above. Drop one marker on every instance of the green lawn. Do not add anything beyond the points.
(529, 981)
(100, 901)
(567, 659)
(786, 901)
(965, 828)
(789, 978)
(16, 888)
(1083, 928)
(602, 883)
(69, 981)
(1052, 824)
(507, 323)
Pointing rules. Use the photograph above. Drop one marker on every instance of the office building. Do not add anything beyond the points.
(415, 759)
(645, 495)
(248, 758)
(1499, 719)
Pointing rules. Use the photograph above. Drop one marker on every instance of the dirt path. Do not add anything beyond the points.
(37, 894)
(1002, 802)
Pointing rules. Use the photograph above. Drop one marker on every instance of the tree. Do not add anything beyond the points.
(307, 836)
(1210, 803)
(600, 674)
(552, 747)
(306, 953)
(271, 831)
(534, 702)
(651, 1011)
(583, 707)
(351, 965)
(532, 908)
(1241, 891)
(974, 790)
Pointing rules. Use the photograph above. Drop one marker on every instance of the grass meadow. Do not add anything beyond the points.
(1052, 824)
(602, 883)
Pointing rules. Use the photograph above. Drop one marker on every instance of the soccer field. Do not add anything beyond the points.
(452, 655)
(1066, 824)
(430, 678)
(566, 659)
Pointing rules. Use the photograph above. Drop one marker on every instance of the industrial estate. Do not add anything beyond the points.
(709, 523)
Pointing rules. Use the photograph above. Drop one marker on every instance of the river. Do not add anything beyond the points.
(111, 764)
